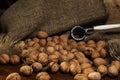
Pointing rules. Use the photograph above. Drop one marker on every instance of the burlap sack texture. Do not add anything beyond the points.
(113, 8)
(26, 17)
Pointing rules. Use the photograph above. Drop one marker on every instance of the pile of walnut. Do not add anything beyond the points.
(42, 54)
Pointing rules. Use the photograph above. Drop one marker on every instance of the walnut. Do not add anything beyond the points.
(99, 61)
(14, 59)
(13, 76)
(95, 54)
(74, 68)
(102, 69)
(85, 65)
(81, 43)
(103, 52)
(94, 76)
(113, 71)
(88, 70)
(53, 58)
(93, 45)
(70, 56)
(4, 58)
(63, 52)
(26, 70)
(117, 64)
(30, 43)
(53, 66)
(90, 42)
(64, 66)
(42, 34)
(25, 53)
(29, 61)
(36, 40)
(34, 55)
(36, 46)
(50, 49)
(43, 58)
(101, 43)
(80, 77)
(63, 58)
(43, 76)
(56, 39)
(43, 42)
(37, 66)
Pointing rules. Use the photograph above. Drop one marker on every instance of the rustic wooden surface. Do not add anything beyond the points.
(113, 7)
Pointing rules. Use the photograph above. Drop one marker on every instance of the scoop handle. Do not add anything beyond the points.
(105, 27)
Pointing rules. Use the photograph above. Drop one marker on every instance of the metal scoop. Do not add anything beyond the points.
(79, 33)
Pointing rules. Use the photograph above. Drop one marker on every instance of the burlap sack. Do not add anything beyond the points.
(27, 17)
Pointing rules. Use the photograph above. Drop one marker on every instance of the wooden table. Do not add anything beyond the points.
(7, 69)
(112, 6)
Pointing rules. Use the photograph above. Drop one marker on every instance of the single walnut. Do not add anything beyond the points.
(88, 70)
(42, 34)
(51, 43)
(64, 38)
(98, 48)
(26, 70)
(117, 64)
(99, 61)
(53, 58)
(13, 76)
(64, 66)
(43, 76)
(63, 58)
(43, 58)
(74, 68)
(102, 69)
(29, 61)
(72, 43)
(95, 54)
(101, 43)
(93, 45)
(33, 55)
(64, 52)
(70, 56)
(41, 49)
(80, 77)
(79, 55)
(81, 43)
(49, 39)
(57, 53)
(30, 43)
(14, 59)
(36, 46)
(53, 66)
(36, 40)
(82, 48)
(67, 47)
(74, 51)
(50, 49)
(25, 53)
(42, 42)
(103, 52)
(90, 42)
(94, 76)
(37, 66)
(85, 65)
(4, 58)
(88, 51)
(113, 71)
(56, 39)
